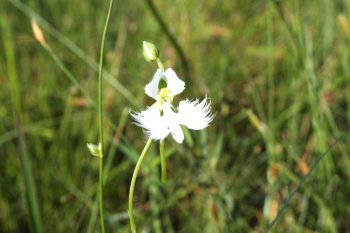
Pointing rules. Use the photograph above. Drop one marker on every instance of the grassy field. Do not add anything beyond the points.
(277, 73)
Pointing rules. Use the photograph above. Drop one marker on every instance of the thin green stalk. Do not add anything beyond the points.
(85, 93)
(9, 51)
(100, 197)
(160, 64)
(27, 173)
(14, 86)
(133, 182)
(100, 116)
(162, 160)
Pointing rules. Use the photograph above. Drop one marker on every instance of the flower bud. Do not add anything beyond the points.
(150, 51)
(94, 150)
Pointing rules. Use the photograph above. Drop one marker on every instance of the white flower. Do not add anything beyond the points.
(174, 84)
(160, 119)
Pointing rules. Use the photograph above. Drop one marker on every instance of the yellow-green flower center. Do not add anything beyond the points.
(165, 95)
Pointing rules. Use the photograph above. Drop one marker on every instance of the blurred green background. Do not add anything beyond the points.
(277, 74)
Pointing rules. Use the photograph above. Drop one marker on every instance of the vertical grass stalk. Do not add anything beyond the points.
(132, 185)
(30, 192)
(162, 160)
(15, 93)
(100, 116)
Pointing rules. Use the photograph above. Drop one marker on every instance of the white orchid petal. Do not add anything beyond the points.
(152, 122)
(176, 133)
(151, 89)
(174, 84)
(195, 115)
(159, 120)
(173, 123)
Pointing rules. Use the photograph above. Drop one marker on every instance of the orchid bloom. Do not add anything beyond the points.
(162, 118)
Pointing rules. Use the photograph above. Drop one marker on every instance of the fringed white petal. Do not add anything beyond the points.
(152, 122)
(174, 84)
(195, 115)
(159, 120)
(151, 89)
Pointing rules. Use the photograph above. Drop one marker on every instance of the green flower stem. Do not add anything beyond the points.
(133, 182)
(160, 64)
(100, 116)
(162, 160)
